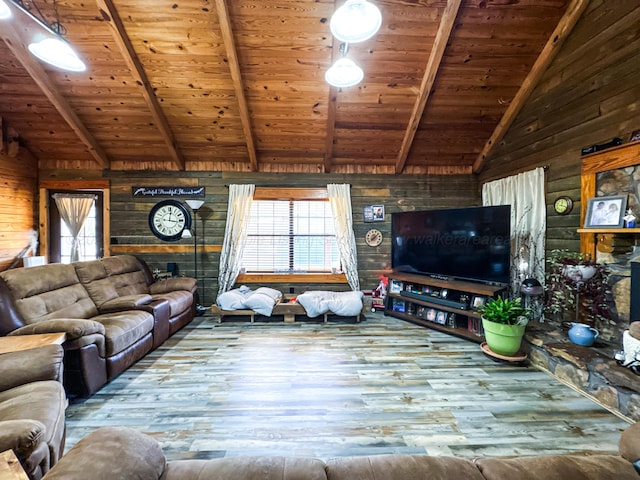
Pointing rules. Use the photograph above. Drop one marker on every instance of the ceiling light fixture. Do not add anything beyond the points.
(344, 72)
(355, 21)
(47, 44)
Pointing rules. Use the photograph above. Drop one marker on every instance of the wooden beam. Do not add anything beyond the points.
(111, 15)
(331, 114)
(236, 76)
(39, 75)
(429, 77)
(549, 52)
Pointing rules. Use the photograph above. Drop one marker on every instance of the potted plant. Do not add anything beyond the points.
(577, 289)
(504, 321)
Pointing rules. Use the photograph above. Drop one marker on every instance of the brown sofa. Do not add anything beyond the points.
(122, 453)
(111, 310)
(32, 407)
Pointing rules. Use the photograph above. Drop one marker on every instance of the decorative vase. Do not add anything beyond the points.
(503, 339)
(582, 334)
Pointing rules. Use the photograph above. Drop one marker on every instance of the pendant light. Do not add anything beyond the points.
(344, 73)
(355, 21)
(5, 11)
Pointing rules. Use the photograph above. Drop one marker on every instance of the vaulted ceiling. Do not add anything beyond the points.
(238, 85)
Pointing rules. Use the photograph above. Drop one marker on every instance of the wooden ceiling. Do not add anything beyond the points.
(238, 85)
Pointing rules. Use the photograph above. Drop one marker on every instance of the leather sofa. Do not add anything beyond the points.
(111, 310)
(32, 407)
(110, 453)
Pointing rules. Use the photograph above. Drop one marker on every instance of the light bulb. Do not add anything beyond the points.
(344, 73)
(58, 53)
(355, 21)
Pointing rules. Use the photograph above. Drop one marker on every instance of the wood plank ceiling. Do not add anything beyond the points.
(238, 85)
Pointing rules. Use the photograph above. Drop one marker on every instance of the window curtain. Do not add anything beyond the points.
(525, 193)
(74, 209)
(235, 235)
(340, 201)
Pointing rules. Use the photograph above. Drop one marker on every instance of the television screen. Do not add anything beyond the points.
(464, 243)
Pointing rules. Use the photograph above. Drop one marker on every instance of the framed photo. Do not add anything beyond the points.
(478, 301)
(431, 315)
(441, 318)
(606, 212)
(374, 213)
(635, 136)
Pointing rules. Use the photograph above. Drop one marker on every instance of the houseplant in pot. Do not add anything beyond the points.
(504, 321)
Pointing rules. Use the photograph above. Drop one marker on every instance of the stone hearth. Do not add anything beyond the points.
(592, 370)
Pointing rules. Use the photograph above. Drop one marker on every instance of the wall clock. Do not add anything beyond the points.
(373, 237)
(168, 219)
(563, 205)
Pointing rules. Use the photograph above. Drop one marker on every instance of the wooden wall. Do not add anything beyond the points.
(397, 193)
(18, 202)
(590, 94)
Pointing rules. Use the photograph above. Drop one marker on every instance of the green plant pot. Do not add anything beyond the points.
(503, 339)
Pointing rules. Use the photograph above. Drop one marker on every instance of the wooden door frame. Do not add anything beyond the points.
(77, 185)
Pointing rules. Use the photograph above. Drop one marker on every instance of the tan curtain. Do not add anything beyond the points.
(74, 209)
(235, 235)
(340, 201)
(525, 193)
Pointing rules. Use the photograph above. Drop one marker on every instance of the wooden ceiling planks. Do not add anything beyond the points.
(239, 86)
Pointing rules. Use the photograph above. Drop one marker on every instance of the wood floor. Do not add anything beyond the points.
(337, 389)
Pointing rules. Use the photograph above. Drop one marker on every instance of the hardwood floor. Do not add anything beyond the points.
(336, 389)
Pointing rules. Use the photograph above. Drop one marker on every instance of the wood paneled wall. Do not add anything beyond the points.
(589, 95)
(129, 224)
(18, 203)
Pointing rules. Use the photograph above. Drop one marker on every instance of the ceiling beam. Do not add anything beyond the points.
(111, 15)
(550, 50)
(234, 67)
(39, 75)
(331, 114)
(428, 79)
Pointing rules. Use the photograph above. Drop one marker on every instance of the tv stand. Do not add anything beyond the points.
(443, 304)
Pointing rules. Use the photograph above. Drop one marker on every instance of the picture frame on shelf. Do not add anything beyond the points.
(477, 301)
(441, 318)
(635, 135)
(606, 212)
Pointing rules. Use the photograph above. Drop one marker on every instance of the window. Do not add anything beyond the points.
(88, 247)
(291, 236)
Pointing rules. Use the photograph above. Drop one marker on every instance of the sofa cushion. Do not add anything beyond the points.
(123, 329)
(93, 275)
(557, 467)
(402, 467)
(126, 274)
(44, 402)
(48, 291)
(247, 468)
(179, 301)
(111, 453)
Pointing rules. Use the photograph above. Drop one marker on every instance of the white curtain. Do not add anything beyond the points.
(525, 193)
(235, 235)
(340, 201)
(74, 209)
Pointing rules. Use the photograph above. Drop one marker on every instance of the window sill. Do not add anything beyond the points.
(291, 278)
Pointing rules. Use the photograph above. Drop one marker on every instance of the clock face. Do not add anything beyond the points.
(563, 205)
(168, 219)
(373, 237)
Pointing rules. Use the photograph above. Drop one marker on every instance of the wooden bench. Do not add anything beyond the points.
(288, 310)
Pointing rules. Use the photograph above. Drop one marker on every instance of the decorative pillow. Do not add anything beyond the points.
(262, 300)
(231, 300)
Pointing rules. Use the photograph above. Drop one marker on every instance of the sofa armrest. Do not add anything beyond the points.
(21, 436)
(126, 302)
(108, 453)
(73, 327)
(172, 284)
(33, 365)
(629, 446)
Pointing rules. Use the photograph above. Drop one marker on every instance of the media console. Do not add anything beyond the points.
(445, 305)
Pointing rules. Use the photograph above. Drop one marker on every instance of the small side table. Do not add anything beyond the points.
(10, 468)
(16, 343)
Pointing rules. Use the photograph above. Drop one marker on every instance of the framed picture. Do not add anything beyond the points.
(478, 301)
(441, 318)
(374, 213)
(606, 212)
(635, 136)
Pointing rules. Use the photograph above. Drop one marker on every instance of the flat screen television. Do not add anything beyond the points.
(456, 243)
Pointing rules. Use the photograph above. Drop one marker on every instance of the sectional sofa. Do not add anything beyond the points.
(110, 453)
(111, 309)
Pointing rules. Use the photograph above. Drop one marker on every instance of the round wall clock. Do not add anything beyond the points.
(563, 205)
(373, 237)
(168, 219)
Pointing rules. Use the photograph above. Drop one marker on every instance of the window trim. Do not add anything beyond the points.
(286, 193)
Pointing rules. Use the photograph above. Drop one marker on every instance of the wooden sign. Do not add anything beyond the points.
(197, 192)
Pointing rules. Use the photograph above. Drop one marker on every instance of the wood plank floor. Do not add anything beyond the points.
(337, 389)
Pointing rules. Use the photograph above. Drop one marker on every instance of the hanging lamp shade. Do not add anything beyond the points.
(355, 21)
(5, 11)
(344, 73)
(57, 52)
